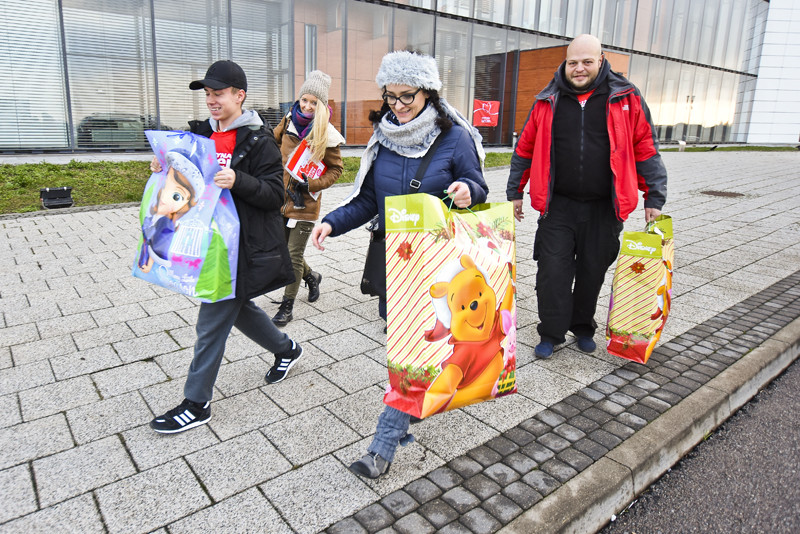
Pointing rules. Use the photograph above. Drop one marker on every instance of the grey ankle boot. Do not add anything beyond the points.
(371, 465)
(284, 314)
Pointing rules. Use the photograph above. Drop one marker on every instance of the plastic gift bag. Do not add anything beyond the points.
(641, 293)
(451, 304)
(189, 239)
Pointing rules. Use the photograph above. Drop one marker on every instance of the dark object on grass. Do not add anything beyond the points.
(56, 197)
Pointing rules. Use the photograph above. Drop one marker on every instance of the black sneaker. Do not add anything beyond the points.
(283, 363)
(186, 415)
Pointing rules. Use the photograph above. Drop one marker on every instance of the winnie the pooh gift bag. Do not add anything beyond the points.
(451, 304)
(641, 293)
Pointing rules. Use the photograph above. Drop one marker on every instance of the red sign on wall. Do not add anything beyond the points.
(485, 112)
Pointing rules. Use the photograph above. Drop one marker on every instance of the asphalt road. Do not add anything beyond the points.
(744, 478)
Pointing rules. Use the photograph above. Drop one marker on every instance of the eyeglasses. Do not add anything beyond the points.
(405, 99)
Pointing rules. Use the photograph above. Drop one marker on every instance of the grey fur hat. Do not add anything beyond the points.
(316, 84)
(408, 68)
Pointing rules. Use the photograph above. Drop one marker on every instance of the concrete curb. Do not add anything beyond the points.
(614, 481)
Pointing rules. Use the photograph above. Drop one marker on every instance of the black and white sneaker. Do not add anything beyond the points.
(186, 415)
(284, 361)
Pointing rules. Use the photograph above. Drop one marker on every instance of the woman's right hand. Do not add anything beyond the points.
(319, 233)
(155, 166)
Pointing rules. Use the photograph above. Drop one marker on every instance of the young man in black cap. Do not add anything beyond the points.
(252, 170)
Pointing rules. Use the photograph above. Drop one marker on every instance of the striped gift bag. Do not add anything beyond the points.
(641, 293)
(451, 304)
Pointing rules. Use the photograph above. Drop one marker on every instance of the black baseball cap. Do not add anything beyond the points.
(222, 74)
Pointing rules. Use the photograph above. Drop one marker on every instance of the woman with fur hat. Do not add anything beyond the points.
(308, 119)
(413, 120)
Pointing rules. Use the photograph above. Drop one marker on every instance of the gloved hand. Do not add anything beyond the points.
(295, 192)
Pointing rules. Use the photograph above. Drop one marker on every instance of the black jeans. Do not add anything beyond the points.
(574, 247)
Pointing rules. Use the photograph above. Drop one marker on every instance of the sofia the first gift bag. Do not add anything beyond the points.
(641, 293)
(451, 304)
(189, 239)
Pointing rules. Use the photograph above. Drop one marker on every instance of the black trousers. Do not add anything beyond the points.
(574, 247)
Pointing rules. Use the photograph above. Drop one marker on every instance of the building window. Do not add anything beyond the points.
(311, 48)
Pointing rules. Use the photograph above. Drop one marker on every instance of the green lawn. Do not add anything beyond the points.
(107, 182)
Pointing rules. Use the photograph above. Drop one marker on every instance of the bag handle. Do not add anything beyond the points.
(413, 186)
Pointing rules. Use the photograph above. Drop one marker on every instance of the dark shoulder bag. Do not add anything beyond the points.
(373, 281)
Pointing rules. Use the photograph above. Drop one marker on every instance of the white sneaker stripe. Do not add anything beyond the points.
(188, 415)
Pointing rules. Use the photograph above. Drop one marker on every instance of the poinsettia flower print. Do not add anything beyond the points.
(404, 250)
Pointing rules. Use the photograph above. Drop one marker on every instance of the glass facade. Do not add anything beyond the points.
(95, 74)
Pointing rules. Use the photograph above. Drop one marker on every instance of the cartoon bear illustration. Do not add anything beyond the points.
(468, 312)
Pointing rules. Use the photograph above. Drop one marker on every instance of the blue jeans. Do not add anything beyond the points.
(392, 431)
(214, 323)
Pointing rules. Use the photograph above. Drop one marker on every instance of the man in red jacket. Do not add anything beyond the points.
(587, 148)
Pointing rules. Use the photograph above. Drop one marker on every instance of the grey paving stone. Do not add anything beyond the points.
(550, 418)
(237, 415)
(129, 377)
(460, 499)
(538, 452)
(558, 470)
(502, 445)
(519, 436)
(58, 397)
(145, 347)
(454, 528)
(445, 478)
(631, 420)
(464, 433)
(479, 520)
(60, 326)
(316, 391)
(79, 513)
(81, 469)
(298, 437)
(553, 442)
(237, 464)
(413, 524)
(16, 335)
(502, 508)
(150, 510)
(399, 503)
(481, 486)
(520, 462)
(337, 321)
(541, 482)
(438, 513)
(522, 494)
(423, 490)
(42, 349)
(318, 494)
(373, 518)
(347, 526)
(243, 375)
(569, 432)
(504, 413)
(360, 410)
(119, 313)
(618, 429)
(28, 441)
(536, 427)
(150, 449)
(103, 335)
(484, 455)
(37, 311)
(100, 419)
(575, 459)
(502, 474)
(355, 373)
(84, 362)
(19, 497)
(565, 410)
(9, 411)
(656, 404)
(465, 466)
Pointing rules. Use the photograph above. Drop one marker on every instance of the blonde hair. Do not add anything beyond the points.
(318, 137)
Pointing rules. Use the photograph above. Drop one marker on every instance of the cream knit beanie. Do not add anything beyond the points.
(409, 68)
(316, 84)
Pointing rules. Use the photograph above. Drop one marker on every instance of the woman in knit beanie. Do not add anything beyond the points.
(308, 119)
(412, 118)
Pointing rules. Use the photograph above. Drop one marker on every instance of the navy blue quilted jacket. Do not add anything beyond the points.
(455, 159)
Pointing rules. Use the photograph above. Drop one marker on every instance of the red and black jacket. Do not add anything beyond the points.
(634, 159)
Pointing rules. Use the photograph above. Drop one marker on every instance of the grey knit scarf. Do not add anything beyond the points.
(411, 139)
(414, 140)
